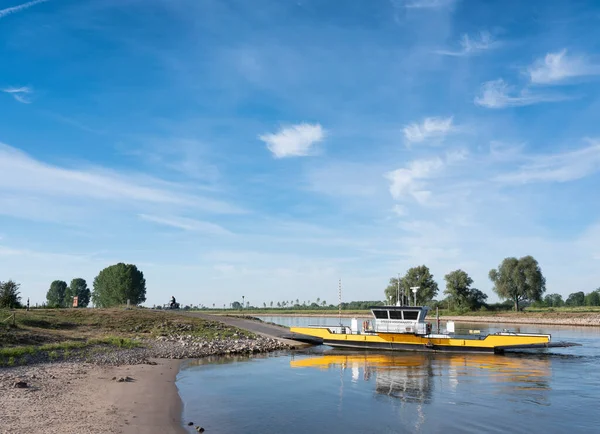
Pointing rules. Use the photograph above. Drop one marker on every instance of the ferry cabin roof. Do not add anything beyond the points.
(402, 313)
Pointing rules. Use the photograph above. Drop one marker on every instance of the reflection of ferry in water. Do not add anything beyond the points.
(404, 328)
(409, 377)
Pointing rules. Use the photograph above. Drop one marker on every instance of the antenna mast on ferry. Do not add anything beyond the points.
(340, 297)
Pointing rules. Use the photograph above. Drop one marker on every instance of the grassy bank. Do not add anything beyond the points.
(57, 333)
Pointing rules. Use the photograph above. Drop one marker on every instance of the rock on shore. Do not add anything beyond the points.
(163, 347)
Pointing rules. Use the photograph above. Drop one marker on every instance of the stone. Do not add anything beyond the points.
(21, 385)
(190, 423)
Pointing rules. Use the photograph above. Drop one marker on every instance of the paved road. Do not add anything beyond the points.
(272, 331)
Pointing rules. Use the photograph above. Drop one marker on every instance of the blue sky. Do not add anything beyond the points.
(269, 148)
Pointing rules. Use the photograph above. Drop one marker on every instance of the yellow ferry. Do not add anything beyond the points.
(404, 328)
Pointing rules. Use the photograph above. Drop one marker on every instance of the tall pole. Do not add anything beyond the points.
(340, 297)
(398, 292)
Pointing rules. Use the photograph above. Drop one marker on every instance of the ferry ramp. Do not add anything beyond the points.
(274, 331)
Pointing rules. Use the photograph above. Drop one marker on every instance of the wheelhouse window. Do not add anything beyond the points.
(411, 314)
(380, 314)
(395, 314)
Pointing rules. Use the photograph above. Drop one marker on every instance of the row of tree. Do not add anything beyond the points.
(113, 286)
(519, 280)
(574, 299)
(61, 295)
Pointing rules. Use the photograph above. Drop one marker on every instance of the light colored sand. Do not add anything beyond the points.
(69, 398)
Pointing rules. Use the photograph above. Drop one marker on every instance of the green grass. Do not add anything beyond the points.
(12, 356)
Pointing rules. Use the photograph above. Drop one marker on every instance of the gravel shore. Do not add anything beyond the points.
(107, 389)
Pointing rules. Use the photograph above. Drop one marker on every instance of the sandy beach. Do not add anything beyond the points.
(70, 398)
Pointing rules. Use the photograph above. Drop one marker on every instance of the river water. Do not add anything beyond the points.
(322, 390)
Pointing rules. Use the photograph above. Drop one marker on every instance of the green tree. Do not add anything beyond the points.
(592, 299)
(56, 294)
(78, 288)
(236, 305)
(458, 287)
(417, 276)
(519, 280)
(9, 294)
(553, 300)
(576, 299)
(118, 283)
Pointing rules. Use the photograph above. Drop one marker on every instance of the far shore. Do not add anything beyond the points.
(545, 318)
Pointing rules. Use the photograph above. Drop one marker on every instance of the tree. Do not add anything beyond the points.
(592, 299)
(519, 280)
(78, 288)
(271, 304)
(265, 305)
(417, 276)
(56, 294)
(576, 299)
(236, 305)
(553, 300)
(324, 303)
(9, 294)
(118, 283)
(458, 286)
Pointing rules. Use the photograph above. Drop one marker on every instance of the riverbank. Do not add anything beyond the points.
(560, 319)
(74, 398)
(61, 373)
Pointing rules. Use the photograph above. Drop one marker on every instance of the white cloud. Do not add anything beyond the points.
(430, 128)
(560, 167)
(187, 224)
(456, 156)
(561, 66)
(470, 45)
(295, 141)
(19, 93)
(497, 94)
(399, 210)
(427, 4)
(19, 8)
(501, 151)
(27, 178)
(407, 181)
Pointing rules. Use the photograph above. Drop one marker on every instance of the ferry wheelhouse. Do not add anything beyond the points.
(404, 328)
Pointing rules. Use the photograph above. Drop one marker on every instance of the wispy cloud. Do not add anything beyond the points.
(427, 4)
(20, 174)
(497, 94)
(407, 181)
(187, 224)
(295, 141)
(19, 93)
(470, 46)
(19, 8)
(560, 67)
(430, 128)
(560, 167)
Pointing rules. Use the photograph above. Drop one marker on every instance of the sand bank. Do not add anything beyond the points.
(74, 398)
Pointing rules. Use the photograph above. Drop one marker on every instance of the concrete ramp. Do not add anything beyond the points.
(278, 332)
